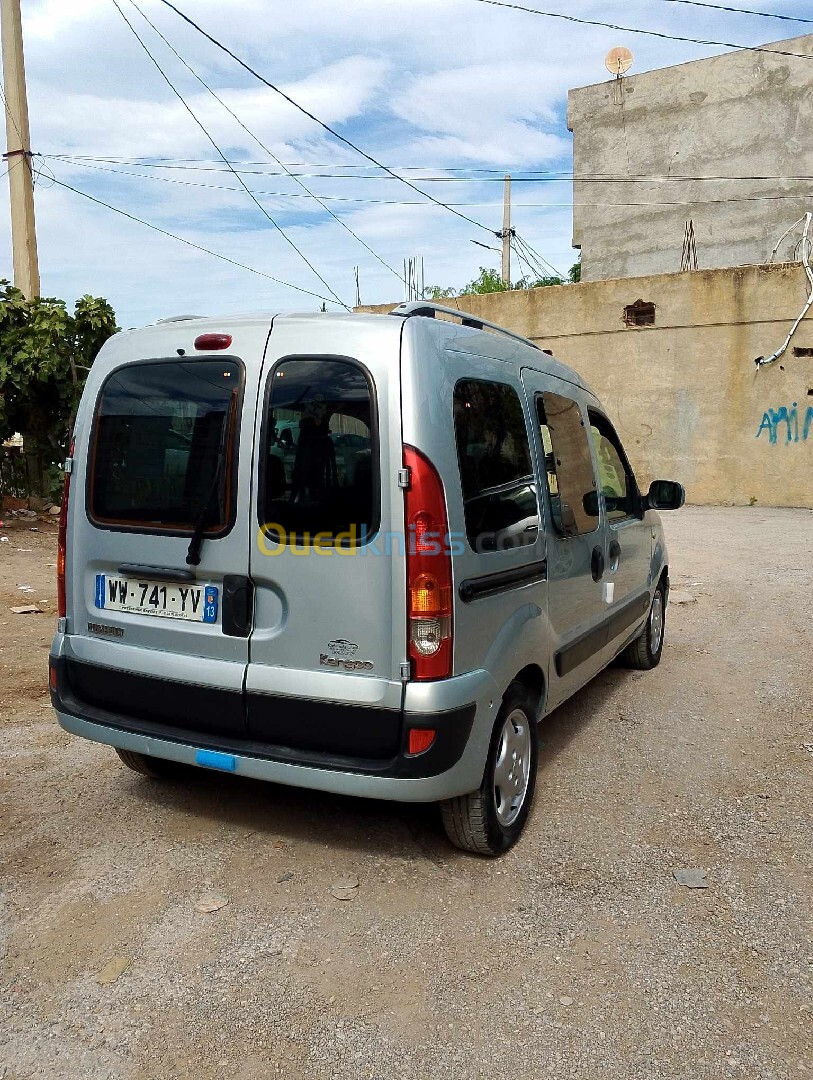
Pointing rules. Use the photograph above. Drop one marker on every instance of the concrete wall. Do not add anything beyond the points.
(685, 394)
(738, 114)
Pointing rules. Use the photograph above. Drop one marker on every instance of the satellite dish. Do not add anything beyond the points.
(618, 61)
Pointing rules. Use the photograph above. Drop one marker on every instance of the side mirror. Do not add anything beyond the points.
(665, 495)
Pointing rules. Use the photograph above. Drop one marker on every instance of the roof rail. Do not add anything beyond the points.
(428, 310)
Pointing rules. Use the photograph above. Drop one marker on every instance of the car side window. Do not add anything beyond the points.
(499, 491)
(616, 481)
(568, 465)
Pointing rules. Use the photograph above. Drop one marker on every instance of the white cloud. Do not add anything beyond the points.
(440, 84)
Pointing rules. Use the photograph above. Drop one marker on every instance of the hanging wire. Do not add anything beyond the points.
(805, 253)
(220, 153)
(521, 258)
(326, 127)
(740, 11)
(263, 146)
(188, 243)
(543, 262)
(636, 30)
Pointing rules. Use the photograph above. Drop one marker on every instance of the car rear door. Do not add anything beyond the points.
(163, 444)
(326, 557)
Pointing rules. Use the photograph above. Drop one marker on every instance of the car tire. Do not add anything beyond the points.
(490, 820)
(156, 768)
(644, 652)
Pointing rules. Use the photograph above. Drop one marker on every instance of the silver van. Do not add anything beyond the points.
(359, 553)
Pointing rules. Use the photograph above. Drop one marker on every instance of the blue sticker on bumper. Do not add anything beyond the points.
(210, 759)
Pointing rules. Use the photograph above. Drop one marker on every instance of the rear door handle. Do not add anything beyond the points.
(238, 605)
(597, 563)
(156, 573)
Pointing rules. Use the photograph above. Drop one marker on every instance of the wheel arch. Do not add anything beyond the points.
(532, 678)
(663, 579)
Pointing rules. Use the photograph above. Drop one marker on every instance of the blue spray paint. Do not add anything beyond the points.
(773, 418)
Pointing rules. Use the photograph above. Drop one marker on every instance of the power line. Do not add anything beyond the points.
(521, 258)
(535, 254)
(635, 30)
(332, 131)
(147, 159)
(189, 243)
(262, 145)
(417, 202)
(10, 116)
(535, 266)
(564, 178)
(740, 11)
(237, 176)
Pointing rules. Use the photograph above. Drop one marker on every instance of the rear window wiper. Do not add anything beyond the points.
(196, 540)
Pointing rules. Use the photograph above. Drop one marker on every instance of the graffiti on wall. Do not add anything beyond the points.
(786, 425)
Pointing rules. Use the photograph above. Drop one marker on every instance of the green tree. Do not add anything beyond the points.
(490, 281)
(487, 281)
(437, 292)
(536, 283)
(45, 354)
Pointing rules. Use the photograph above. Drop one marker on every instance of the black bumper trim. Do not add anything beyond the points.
(100, 695)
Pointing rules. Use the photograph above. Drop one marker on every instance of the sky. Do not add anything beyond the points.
(454, 90)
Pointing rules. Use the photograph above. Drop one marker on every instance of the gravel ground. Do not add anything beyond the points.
(577, 954)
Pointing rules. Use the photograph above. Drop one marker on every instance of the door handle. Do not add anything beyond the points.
(156, 573)
(597, 563)
(238, 605)
(614, 555)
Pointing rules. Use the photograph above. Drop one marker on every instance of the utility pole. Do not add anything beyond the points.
(506, 234)
(18, 144)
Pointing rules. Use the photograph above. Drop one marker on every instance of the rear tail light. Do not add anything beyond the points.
(62, 542)
(429, 570)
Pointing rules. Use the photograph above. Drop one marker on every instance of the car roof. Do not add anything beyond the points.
(507, 348)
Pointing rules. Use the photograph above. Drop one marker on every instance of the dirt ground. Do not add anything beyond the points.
(577, 954)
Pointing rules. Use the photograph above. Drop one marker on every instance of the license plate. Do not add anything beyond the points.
(193, 603)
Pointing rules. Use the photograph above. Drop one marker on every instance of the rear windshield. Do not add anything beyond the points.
(163, 450)
(319, 459)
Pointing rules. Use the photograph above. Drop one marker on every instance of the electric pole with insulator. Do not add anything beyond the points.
(18, 156)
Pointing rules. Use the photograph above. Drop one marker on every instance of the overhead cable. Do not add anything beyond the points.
(189, 243)
(805, 255)
(331, 130)
(416, 202)
(539, 258)
(521, 258)
(637, 30)
(564, 178)
(739, 11)
(10, 116)
(237, 176)
(262, 145)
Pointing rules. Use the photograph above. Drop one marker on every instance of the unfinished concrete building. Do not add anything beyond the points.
(745, 117)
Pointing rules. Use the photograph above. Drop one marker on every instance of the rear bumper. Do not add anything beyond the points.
(452, 766)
